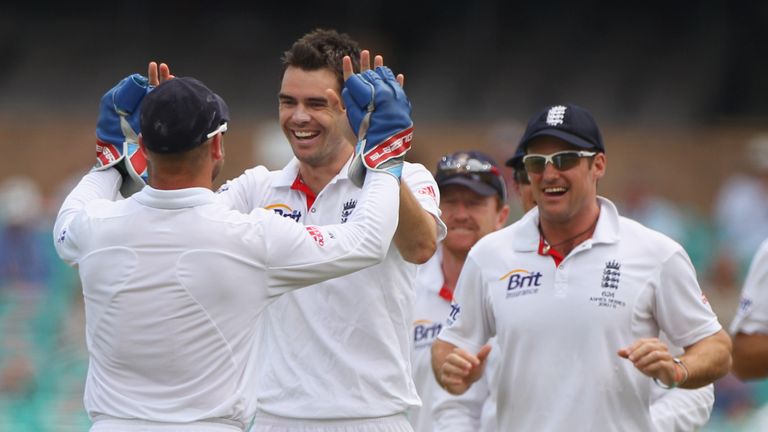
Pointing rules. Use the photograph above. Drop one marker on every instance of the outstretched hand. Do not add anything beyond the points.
(158, 73)
(651, 356)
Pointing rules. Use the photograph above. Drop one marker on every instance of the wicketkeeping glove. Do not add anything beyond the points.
(117, 131)
(380, 114)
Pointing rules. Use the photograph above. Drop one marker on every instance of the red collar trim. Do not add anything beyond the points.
(446, 293)
(545, 250)
(299, 185)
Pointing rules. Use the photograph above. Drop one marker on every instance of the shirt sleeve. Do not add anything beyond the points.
(681, 410)
(474, 323)
(303, 255)
(94, 185)
(752, 315)
(683, 312)
(424, 188)
(244, 192)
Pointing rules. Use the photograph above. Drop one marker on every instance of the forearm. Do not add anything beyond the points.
(750, 355)
(707, 360)
(416, 235)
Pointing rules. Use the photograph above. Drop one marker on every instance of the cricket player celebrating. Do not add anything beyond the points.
(174, 282)
(576, 296)
(473, 203)
(339, 358)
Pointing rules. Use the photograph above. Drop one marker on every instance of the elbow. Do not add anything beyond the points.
(419, 252)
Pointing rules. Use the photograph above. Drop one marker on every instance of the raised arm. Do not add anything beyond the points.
(416, 235)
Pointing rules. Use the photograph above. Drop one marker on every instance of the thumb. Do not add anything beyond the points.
(482, 355)
(333, 99)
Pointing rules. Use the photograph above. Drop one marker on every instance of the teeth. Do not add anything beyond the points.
(554, 190)
(303, 134)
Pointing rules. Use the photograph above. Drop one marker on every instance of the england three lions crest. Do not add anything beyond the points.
(346, 212)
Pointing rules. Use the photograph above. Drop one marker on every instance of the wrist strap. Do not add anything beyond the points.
(681, 375)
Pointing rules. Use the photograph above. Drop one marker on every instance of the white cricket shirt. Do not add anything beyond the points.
(441, 410)
(174, 283)
(559, 328)
(752, 316)
(341, 349)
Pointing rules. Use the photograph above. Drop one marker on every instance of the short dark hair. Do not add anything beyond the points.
(320, 49)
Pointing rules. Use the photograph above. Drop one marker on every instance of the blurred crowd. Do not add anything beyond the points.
(43, 359)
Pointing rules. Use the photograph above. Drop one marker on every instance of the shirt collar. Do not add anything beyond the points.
(174, 199)
(527, 238)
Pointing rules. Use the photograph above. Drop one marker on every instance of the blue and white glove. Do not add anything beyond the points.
(117, 131)
(380, 114)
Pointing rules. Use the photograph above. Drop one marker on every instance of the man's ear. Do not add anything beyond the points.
(217, 147)
(599, 165)
(143, 147)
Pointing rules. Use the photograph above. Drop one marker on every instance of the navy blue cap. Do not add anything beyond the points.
(570, 123)
(179, 115)
(516, 161)
(474, 170)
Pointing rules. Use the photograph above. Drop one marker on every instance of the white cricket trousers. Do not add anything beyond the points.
(394, 423)
(110, 424)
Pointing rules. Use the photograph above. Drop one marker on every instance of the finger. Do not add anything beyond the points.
(152, 74)
(378, 61)
(334, 101)
(623, 353)
(401, 80)
(483, 353)
(365, 60)
(165, 72)
(346, 65)
(455, 370)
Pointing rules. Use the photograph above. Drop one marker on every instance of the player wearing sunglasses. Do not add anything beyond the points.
(577, 296)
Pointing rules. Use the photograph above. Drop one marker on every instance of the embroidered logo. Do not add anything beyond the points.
(555, 115)
(347, 211)
(428, 191)
(522, 282)
(454, 314)
(316, 234)
(425, 332)
(62, 236)
(609, 287)
(285, 211)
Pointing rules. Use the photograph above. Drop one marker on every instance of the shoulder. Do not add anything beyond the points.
(649, 240)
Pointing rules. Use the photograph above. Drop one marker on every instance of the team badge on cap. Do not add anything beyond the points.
(555, 115)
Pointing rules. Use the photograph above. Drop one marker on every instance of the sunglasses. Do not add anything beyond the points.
(473, 168)
(563, 161)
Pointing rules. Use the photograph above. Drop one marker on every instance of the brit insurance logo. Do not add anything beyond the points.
(424, 332)
(609, 287)
(285, 211)
(521, 282)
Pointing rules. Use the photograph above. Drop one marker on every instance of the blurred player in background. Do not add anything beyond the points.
(339, 357)
(576, 296)
(174, 282)
(473, 201)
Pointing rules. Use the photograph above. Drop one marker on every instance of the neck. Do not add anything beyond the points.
(181, 180)
(564, 237)
(317, 177)
(451, 266)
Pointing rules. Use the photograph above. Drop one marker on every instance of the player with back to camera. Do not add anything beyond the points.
(173, 281)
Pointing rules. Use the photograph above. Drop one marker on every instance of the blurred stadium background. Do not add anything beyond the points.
(679, 88)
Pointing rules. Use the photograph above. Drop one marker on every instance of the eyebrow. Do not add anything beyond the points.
(322, 100)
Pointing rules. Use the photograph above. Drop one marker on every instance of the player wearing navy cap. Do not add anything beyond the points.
(576, 296)
(473, 203)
